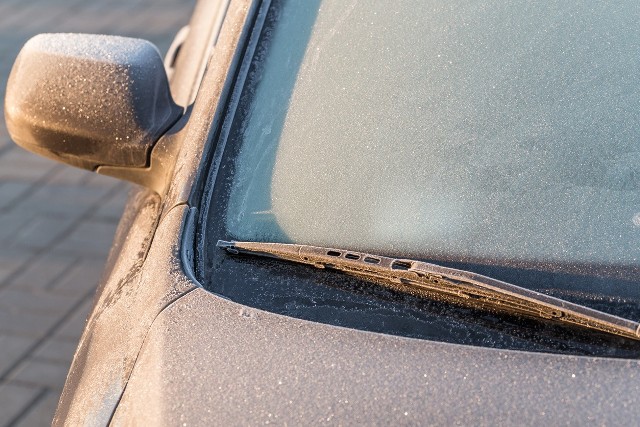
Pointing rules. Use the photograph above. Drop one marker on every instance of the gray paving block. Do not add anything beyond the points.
(111, 210)
(25, 303)
(97, 180)
(56, 349)
(41, 373)
(70, 176)
(12, 261)
(44, 16)
(164, 22)
(31, 325)
(87, 19)
(13, 221)
(10, 191)
(42, 412)
(4, 140)
(89, 237)
(18, 164)
(16, 14)
(14, 399)
(80, 278)
(43, 272)
(42, 231)
(73, 326)
(67, 201)
(12, 350)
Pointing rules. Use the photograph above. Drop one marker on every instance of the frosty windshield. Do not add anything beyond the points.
(491, 131)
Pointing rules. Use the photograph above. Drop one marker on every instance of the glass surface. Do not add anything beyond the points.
(492, 132)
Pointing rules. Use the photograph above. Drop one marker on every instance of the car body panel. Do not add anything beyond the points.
(208, 108)
(158, 349)
(122, 315)
(202, 32)
(208, 360)
(144, 270)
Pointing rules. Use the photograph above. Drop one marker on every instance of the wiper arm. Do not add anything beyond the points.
(442, 283)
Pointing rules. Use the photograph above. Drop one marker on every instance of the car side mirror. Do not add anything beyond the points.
(89, 100)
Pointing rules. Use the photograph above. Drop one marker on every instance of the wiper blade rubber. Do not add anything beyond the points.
(442, 283)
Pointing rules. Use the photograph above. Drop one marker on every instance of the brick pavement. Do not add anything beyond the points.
(56, 223)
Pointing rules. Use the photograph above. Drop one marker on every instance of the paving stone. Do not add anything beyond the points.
(12, 261)
(19, 164)
(112, 209)
(16, 14)
(42, 14)
(43, 272)
(13, 221)
(89, 19)
(80, 278)
(96, 180)
(90, 237)
(73, 326)
(56, 349)
(67, 201)
(14, 399)
(42, 411)
(34, 325)
(12, 349)
(42, 231)
(25, 303)
(41, 373)
(70, 176)
(10, 191)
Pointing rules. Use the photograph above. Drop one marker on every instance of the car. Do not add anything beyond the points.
(356, 212)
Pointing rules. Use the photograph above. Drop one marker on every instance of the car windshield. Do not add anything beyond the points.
(500, 137)
(499, 131)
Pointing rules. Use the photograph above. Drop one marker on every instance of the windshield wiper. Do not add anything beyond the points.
(442, 283)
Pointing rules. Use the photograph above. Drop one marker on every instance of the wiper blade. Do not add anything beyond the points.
(442, 283)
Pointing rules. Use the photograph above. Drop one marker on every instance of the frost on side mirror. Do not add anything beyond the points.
(89, 100)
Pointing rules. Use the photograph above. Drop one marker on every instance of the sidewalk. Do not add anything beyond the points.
(56, 222)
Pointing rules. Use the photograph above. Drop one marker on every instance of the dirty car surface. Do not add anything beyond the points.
(495, 137)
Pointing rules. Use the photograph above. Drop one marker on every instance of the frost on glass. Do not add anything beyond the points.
(501, 130)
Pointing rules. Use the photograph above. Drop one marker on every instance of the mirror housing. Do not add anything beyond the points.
(89, 100)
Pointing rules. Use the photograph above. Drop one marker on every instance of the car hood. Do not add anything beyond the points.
(209, 360)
